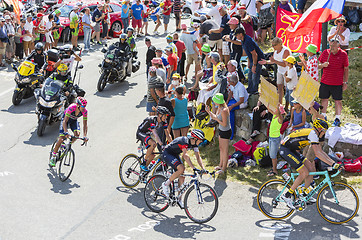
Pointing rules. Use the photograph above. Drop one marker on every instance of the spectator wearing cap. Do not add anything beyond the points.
(10, 47)
(246, 21)
(150, 54)
(224, 29)
(214, 39)
(298, 117)
(250, 6)
(311, 65)
(137, 12)
(28, 38)
(191, 42)
(170, 43)
(159, 53)
(206, 71)
(176, 82)
(181, 49)
(334, 62)
(146, 14)
(280, 52)
(87, 29)
(57, 24)
(125, 15)
(166, 11)
(266, 19)
(165, 102)
(49, 40)
(152, 98)
(39, 28)
(181, 122)
(74, 26)
(161, 72)
(97, 17)
(214, 13)
(237, 97)
(341, 32)
(254, 54)
(172, 60)
(291, 79)
(19, 35)
(3, 40)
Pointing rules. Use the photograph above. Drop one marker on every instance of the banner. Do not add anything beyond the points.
(200, 124)
(306, 90)
(268, 94)
(297, 44)
(16, 6)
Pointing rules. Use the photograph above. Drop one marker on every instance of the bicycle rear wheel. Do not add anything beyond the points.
(155, 200)
(270, 202)
(130, 170)
(201, 206)
(160, 168)
(66, 165)
(344, 210)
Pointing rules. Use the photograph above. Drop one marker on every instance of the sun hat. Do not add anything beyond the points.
(290, 59)
(159, 49)
(57, 11)
(234, 63)
(222, 7)
(39, 15)
(169, 37)
(241, 7)
(183, 26)
(340, 18)
(233, 20)
(152, 69)
(168, 48)
(196, 25)
(7, 17)
(176, 75)
(156, 60)
(316, 106)
(218, 98)
(312, 48)
(206, 48)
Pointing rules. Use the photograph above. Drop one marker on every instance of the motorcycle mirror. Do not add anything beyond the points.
(14, 67)
(103, 50)
(80, 67)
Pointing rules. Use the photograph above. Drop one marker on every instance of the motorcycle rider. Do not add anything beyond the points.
(125, 47)
(40, 57)
(67, 56)
(62, 74)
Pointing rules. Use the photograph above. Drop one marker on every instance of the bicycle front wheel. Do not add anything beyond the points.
(270, 202)
(339, 207)
(130, 170)
(66, 165)
(159, 168)
(154, 198)
(201, 203)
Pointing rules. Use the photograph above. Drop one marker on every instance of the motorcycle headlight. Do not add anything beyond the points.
(46, 104)
(108, 60)
(25, 80)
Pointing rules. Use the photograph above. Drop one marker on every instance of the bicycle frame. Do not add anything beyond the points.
(195, 181)
(327, 180)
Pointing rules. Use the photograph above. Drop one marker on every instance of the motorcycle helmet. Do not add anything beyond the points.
(62, 69)
(123, 37)
(82, 102)
(39, 46)
(130, 29)
(198, 134)
(163, 110)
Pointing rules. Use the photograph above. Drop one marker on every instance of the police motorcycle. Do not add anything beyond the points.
(27, 79)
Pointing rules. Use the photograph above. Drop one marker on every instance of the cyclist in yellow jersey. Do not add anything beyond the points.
(296, 141)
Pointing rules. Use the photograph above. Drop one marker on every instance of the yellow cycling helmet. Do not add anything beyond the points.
(320, 123)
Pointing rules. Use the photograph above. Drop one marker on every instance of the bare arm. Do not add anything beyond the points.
(85, 128)
(158, 140)
(321, 154)
(186, 157)
(199, 160)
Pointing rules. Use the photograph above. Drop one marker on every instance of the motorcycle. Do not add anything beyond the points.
(27, 80)
(113, 67)
(50, 103)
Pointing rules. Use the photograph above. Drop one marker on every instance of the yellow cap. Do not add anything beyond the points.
(161, 4)
(62, 67)
(290, 59)
(176, 75)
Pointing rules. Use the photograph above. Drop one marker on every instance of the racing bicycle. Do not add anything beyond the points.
(66, 157)
(130, 172)
(337, 202)
(200, 202)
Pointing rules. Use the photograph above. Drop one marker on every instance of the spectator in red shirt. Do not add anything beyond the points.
(334, 62)
(166, 11)
(172, 67)
(181, 49)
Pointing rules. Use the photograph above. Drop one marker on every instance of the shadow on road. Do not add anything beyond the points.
(142, 103)
(135, 196)
(115, 89)
(59, 186)
(26, 106)
(50, 134)
(220, 186)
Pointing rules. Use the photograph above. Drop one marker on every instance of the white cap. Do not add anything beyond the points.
(234, 63)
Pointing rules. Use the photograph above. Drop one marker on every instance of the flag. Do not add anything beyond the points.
(321, 11)
(299, 43)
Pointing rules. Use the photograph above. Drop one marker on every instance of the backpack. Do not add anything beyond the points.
(255, 22)
(260, 153)
(224, 87)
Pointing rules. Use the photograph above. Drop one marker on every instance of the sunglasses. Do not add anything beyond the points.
(340, 21)
(82, 106)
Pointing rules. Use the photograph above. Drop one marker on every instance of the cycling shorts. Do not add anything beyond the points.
(144, 137)
(295, 159)
(72, 124)
(172, 160)
(74, 31)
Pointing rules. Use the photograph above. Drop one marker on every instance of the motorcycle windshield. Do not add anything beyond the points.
(51, 89)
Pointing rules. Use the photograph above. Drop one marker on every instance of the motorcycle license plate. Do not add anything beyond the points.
(33, 82)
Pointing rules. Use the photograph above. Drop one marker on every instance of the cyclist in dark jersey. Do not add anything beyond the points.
(172, 152)
(289, 150)
(148, 126)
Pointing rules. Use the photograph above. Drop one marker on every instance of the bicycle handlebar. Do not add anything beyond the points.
(80, 138)
(204, 171)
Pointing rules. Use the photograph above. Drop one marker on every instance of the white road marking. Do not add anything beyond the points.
(266, 235)
(3, 174)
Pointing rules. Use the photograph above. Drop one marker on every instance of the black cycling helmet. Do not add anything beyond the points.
(130, 29)
(320, 123)
(198, 134)
(39, 46)
(163, 110)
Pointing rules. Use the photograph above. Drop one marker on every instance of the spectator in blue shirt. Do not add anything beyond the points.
(254, 54)
(137, 12)
(125, 15)
(87, 29)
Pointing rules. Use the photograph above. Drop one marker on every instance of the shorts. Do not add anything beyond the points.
(166, 19)
(74, 31)
(225, 48)
(192, 58)
(325, 91)
(218, 43)
(97, 27)
(136, 23)
(295, 159)
(281, 78)
(172, 160)
(266, 27)
(49, 38)
(144, 19)
(72, 124)
(2, 50)
(274, 144)
(149, 106)
(26, 44)
(10, 45)
(225, 134)
(154, 18)
(144, 138)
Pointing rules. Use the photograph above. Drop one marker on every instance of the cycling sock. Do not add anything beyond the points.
(54, 153)
(168, 182)
(289, 193)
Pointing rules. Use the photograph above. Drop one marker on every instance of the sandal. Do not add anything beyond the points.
(217, 168)
(271, 173)
(220, 172)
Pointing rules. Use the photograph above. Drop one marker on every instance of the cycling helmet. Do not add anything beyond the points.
(163, 110)
(130, 29)
(39, 46)
(62, 69)
(320, 123)
(81, 101)
(123, 37)
(197, 133)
